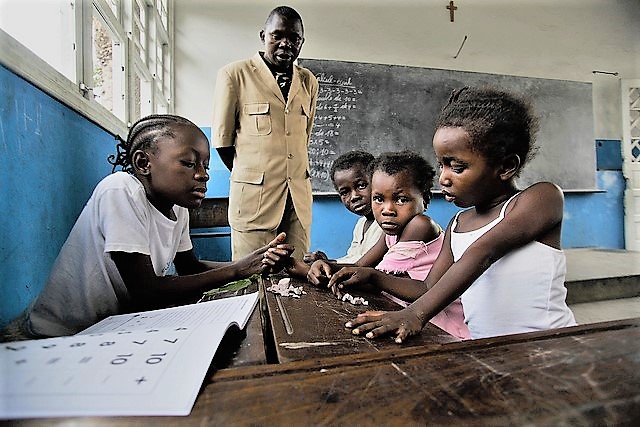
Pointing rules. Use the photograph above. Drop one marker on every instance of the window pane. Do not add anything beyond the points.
(115, 7)
(162, 106)
(139, 32)
(160, 50)
(107, 67)
(49, 33)
(136, 112)
(162, 11)
(141, 96)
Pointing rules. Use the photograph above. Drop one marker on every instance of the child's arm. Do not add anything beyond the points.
(374, 255)
(374, 280)
(151, 291)
(419, 228)
(535, 215)
(297, 268)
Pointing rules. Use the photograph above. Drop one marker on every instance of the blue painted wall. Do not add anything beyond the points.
(52, 157)
(50, 160)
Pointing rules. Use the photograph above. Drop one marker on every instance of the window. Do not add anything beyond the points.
(54, 19)
(111, 60)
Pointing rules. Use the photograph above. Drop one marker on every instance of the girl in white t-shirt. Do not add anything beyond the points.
(502, 255)
(130, 248)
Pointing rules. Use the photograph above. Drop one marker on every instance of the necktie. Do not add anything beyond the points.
(284, 81)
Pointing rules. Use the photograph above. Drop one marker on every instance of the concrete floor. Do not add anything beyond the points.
(615, 276)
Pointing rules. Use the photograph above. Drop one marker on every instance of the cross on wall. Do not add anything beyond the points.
(452, 10)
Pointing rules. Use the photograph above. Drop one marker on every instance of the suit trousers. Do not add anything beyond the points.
(245, 242)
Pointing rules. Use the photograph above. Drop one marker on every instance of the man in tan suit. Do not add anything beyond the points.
(263, 113)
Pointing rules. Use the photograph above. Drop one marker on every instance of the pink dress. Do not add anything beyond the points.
(416, 258)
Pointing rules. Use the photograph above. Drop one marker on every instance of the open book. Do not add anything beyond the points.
(147, 363)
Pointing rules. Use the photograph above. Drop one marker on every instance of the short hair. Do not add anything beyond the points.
(286, 12)
(143, 135)
(499, 123)
(416, 166)
(350, 159)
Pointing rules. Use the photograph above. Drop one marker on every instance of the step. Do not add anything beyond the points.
(603, 311)
(595, 274)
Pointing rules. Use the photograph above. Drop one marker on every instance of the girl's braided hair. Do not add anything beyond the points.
(499, 123)
(142, 136)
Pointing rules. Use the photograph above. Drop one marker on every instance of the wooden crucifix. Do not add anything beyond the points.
(452, 10)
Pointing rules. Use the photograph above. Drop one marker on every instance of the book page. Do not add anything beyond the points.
(148, 363)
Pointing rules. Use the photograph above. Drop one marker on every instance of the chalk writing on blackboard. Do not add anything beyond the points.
(336, 97)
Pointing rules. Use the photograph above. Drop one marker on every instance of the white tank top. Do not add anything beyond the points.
(521, 292)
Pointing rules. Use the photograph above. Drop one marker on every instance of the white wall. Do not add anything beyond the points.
(535, 38)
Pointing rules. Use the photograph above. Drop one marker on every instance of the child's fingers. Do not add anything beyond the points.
(286, 247)
(401, 335)
(336, 291)
(337, 277)
(366, 317)
(326, 270)
(316, 280)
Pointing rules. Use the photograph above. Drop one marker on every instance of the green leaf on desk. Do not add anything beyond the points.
(230, 289)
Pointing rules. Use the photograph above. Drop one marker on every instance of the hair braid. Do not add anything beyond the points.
(143, 135)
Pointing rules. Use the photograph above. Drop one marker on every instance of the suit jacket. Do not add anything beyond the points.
(271, 139)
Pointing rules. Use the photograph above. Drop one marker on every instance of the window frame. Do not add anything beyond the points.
(78, 95)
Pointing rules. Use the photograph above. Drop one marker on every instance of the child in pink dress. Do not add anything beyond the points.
(415, 258)
(400, 191)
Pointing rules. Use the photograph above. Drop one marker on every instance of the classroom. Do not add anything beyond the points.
(583, 54)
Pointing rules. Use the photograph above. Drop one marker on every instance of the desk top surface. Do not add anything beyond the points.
(586, 375)
(313, 325)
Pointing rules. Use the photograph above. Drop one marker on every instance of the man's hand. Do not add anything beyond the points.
(277, 254)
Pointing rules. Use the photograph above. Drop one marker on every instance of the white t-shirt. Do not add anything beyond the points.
(361, 242)
(84, 285)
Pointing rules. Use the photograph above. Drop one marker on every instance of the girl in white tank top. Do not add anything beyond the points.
(522, 291)
(502, 255)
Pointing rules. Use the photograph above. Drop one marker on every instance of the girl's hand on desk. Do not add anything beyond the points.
(348, 277)
(403, 323)
(310, 257)
(319, 273)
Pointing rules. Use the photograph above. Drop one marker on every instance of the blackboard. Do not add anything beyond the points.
(378, 108)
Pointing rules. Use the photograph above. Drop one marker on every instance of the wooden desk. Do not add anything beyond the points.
(313, 325)
(584, 375)
(244, 347)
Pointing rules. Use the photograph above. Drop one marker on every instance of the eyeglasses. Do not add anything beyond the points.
(293, 38)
